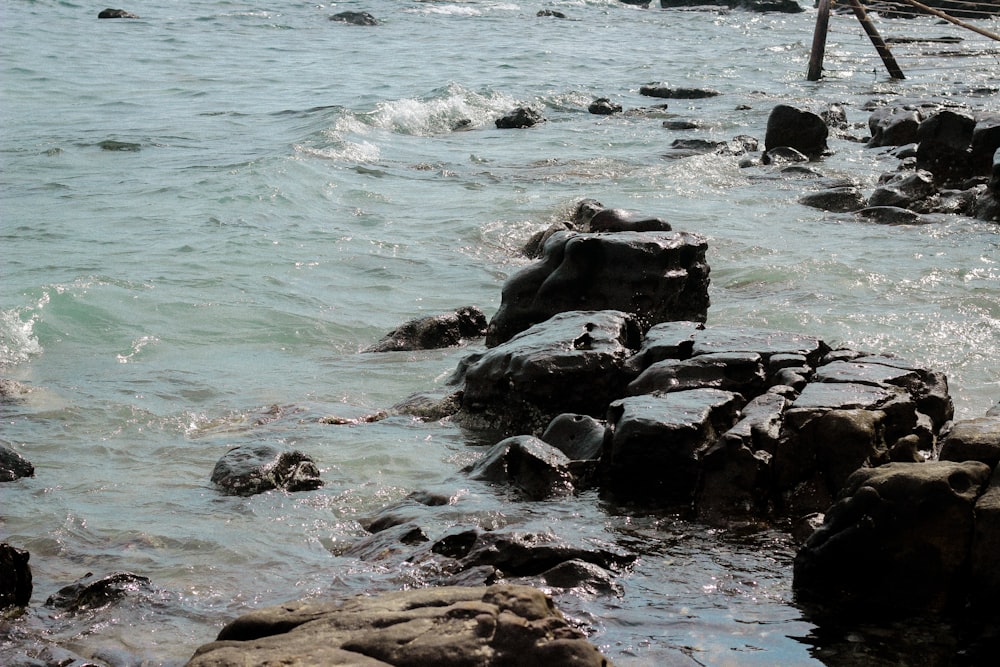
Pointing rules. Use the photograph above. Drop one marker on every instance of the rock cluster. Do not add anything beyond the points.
(949, 164)
(447, 626)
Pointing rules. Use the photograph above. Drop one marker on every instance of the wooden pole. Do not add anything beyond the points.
(951, 19)
(880, 46)
(819, 41)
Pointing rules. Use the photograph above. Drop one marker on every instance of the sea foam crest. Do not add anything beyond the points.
(17, 339)
(444, 110)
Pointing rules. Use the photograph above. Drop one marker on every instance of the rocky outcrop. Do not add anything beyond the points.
(900, 541)
(653, 276)
(15, 577)
(573, 362)
(250, 469)
(435, 331)
(458, 626)
(591, 216)
(13, 465)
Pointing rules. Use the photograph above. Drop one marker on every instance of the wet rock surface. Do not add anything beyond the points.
(15, 577)
(434, 331)
(250, 469)
(13, 466)
(496, 625)
(656, 276)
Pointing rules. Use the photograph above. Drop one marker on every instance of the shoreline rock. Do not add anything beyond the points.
(496, 625)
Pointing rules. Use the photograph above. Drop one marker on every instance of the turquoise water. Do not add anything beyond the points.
(211, 210)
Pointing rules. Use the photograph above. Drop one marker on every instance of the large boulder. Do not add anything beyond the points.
(985, 144)
(789, 127)
(448, 626)
(985, 575)
(894, 126)
(898, 542)
(434, 331)
(654, 276)
(573, 362)
(250, 469)
(945, 147)
(658, 441)
(15, 577)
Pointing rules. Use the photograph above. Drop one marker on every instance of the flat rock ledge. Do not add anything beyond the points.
(454, 626)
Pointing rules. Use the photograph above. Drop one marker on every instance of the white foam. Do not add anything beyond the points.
(17, 340)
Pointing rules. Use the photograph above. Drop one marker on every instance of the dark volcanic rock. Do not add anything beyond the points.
(602, 106)
(572, 362)
(498, 625)
(839, 200)
(945, 147)
(893, 126)
(519, 118)
(741, 372)
(435, 331)
(580, 437)
(658, 90)
(899, 542)
(889, 215)
(538, 469)
(905, 190)
(15, 577)
(804, 131)
(973, 440)
(250, 469)
(13, 465)
(115, 14)
(658, 441)
(355, 18)
(90, 593)
(655, 276)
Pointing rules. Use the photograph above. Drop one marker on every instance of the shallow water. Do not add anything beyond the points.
(286, 189)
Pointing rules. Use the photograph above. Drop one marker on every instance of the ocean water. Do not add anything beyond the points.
(207, 213)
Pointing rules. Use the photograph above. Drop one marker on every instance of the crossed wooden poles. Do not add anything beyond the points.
(823, 22)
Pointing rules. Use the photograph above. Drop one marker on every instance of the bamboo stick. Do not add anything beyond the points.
(819, 41)
(951, 19)
(880, 45)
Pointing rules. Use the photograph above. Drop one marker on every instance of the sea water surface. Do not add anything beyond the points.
(208, 212)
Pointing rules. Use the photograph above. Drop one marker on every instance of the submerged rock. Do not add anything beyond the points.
(115, 14)
(496, 625)
(250, 469)
(13, 465)
(92, 593)
(434, 331)
(355, 18)
(520, 117)
(659, 90)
